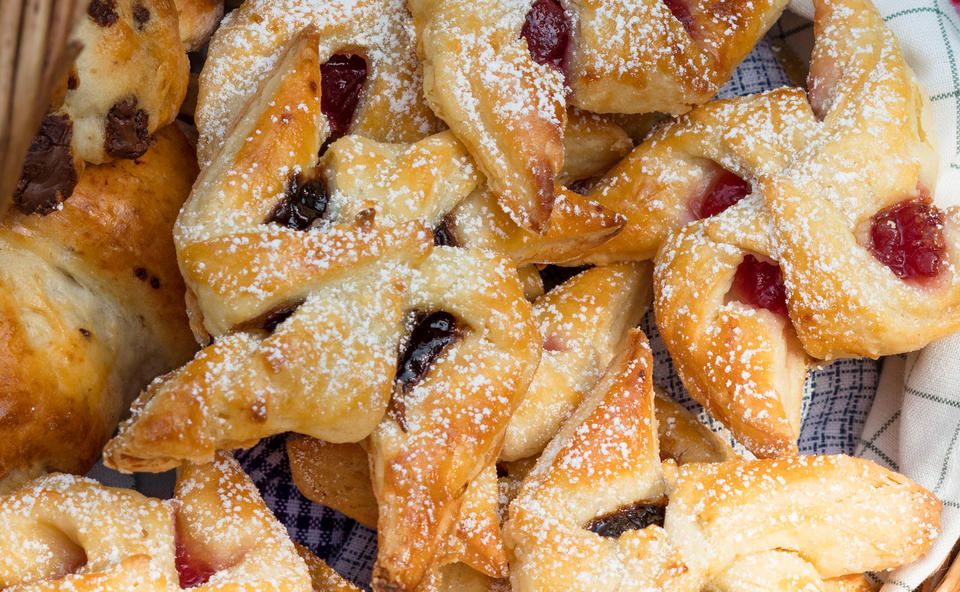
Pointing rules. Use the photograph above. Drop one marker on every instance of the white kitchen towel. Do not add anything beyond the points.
(914, 423)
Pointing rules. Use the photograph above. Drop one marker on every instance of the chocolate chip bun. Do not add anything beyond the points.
(128, 81)
(91, 309)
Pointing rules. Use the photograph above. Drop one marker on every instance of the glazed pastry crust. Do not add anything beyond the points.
(91, 309)
(197, 21)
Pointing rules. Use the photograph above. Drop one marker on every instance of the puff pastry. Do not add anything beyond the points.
(127, 82)
(746, 300)
(497, 74)
(216, 534)
(841, 515)
(582, 323)
(367, 51)
(91, 309)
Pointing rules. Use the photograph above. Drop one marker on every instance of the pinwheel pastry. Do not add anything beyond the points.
(642, 524)
(71, 533)
(310, 278)
(772, 263)
(498, 74)
(128, 81)
(370, 76)
(91, 309)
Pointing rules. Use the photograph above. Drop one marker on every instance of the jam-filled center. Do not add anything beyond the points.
(342, 79)
(761, 284)
(547, 31)
(431, 335)
(635, 517)
(725, 190)
(192, 571)
(682, 13)
(908, 238)
(302, 205)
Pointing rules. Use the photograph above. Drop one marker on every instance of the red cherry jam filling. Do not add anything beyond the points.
(342, 79)
(908, 238)
(725, 190)
(193, 572)
(761, 284)
(631, 518)
(680, 10)
(547, 31)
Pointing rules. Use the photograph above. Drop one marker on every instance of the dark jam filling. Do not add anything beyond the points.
(432, 334)
(554, 275)
(761, 284)
(908, 238)
(445, 233)
(547, 31)
(633, 518)
(725, 190)
(680, 10)
(274, 318)
(342, 79)
(301, 205)
(192, 572)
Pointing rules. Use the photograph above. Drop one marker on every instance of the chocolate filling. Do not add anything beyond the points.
(127, 130)
(48, 175)
(103, 12)
(141, 15)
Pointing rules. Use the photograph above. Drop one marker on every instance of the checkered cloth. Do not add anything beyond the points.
(913, 424)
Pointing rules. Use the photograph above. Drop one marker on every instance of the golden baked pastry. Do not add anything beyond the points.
(324, 578)
(197, 20)
(497, 74)
(840, 515)
(275, 374)
(746, 300)
(216, 534)
(91, 309)
(128, 81)
(310, 277)
(371, 77)
(338, 476)
(582, 323)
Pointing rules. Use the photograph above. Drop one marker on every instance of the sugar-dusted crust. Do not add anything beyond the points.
(635, 56)
(91, 309)
(251, 39)
(582, 324)
(65, 532)
(817, 517)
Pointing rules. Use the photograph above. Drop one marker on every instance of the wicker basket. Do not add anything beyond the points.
(35, 54)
